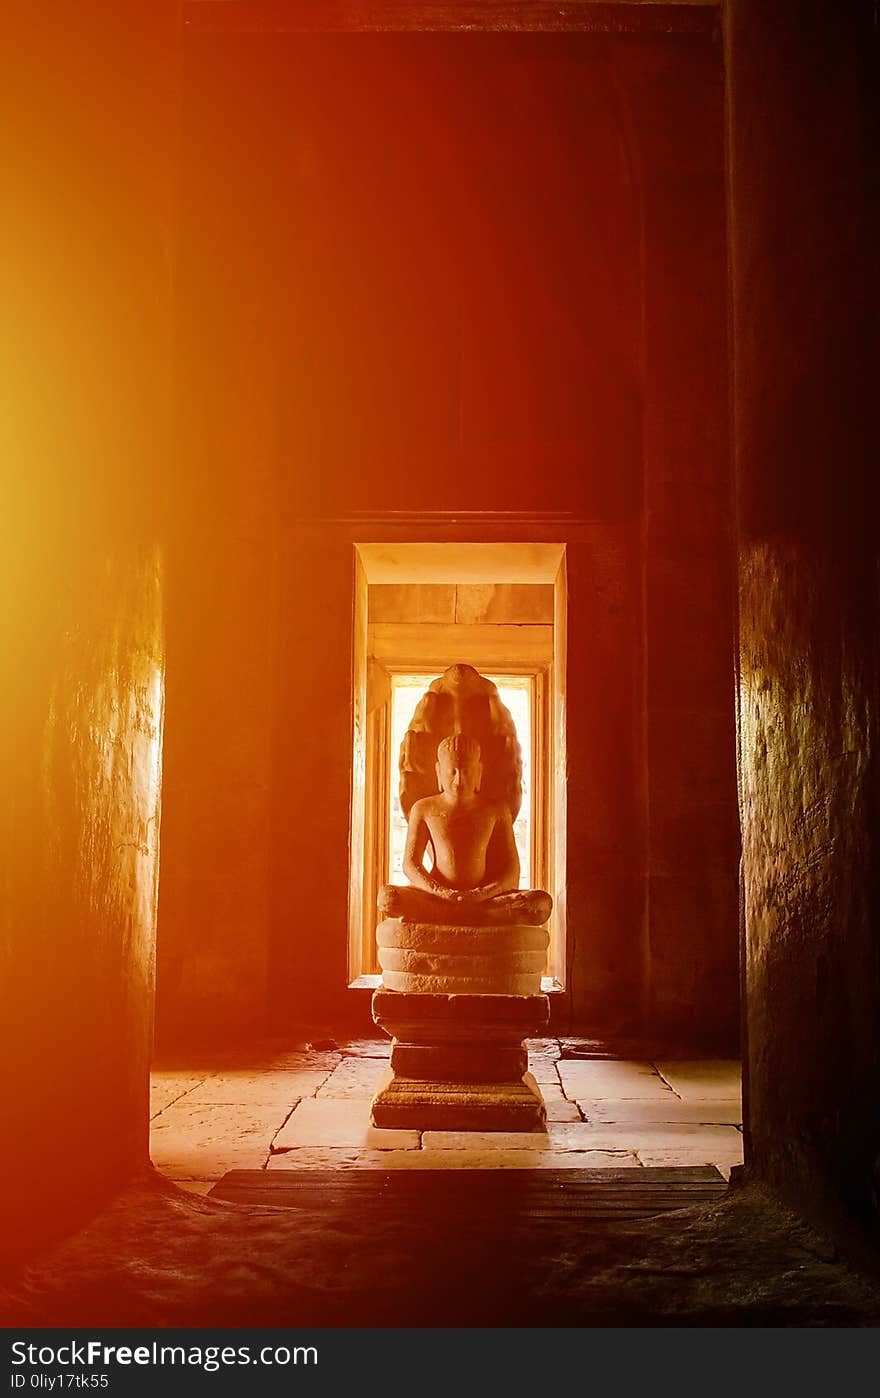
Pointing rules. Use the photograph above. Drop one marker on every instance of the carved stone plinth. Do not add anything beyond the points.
(458, 1061)
(434, 958)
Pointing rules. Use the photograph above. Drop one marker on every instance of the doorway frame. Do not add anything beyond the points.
(447, 561)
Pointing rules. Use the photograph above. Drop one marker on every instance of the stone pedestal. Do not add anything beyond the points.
(458, 1061)
(445, 959)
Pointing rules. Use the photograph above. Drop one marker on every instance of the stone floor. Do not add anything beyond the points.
(282, 1106)
(157, 1256)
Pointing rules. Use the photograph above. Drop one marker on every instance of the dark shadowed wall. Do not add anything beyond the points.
(450, 287)
(803, 190)
(88, 304)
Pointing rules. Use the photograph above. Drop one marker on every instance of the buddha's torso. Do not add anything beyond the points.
(460, 836)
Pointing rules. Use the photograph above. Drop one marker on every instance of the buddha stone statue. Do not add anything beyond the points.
(462, 924)
(474, 876)
(462, 948)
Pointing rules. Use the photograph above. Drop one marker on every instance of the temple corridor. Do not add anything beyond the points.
(356, 348)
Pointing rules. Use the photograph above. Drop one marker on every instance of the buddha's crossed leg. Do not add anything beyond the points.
(527, 906)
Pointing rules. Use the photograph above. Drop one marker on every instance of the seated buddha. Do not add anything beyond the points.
(474, 875)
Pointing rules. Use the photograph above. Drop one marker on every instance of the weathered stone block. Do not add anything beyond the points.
(426, 1018)
(459, 1106)
(465, 1062)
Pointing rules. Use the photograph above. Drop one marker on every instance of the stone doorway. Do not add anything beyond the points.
(500, 607)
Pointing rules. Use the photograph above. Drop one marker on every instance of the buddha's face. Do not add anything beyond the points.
(459, 776)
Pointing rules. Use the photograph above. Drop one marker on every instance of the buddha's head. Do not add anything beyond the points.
(459, 769)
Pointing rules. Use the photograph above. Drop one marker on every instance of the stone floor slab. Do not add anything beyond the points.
(212, 1163)
(276, 1054)
(293, 1062)
(618, 1079)
(213, 1122)
(580, 1136)
(355, 1078)
(254, 1088)
(583, 1048)
(562, 1110)
(365, 1048)
(709, 1080)
(199, 1141)
(685, 1141)
(166, 1088)
(487, 1140)
(544, 1070)
(453, 1159)
(340, 1122)
(669, 1109)
(722, 1158)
